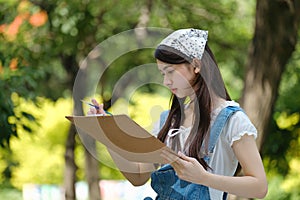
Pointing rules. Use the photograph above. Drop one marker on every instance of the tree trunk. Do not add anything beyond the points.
(78, 80)
(274, 41)
(70, 166)
(91, 170)
(91, 164)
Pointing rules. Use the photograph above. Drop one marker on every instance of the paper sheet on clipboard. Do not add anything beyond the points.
(122, 135)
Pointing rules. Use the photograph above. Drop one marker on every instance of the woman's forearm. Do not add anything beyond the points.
(244, 186)
(254, 182)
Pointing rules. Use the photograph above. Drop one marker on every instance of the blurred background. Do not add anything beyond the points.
(44, 43)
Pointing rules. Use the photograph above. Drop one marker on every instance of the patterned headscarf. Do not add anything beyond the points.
(189, 42)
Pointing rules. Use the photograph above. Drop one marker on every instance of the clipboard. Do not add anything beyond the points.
(122, 135)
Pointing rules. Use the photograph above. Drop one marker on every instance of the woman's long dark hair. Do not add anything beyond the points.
(207, 81)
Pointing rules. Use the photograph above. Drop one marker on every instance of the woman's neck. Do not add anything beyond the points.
(188, 113)
(217, 102)
(189, 109)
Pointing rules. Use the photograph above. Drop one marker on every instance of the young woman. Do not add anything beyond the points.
(210, 132)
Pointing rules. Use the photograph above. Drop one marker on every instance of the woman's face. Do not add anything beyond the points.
(177, 77)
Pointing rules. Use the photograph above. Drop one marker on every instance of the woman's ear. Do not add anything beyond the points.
(197, 65)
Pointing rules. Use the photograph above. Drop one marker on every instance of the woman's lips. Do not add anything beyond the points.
(173, 90)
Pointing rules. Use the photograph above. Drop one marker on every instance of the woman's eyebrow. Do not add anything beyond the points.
(166, 66)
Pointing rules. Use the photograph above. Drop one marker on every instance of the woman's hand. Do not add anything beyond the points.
(187, 168)
(94, 111)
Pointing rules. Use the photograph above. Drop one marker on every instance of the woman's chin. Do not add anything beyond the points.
(178, 95)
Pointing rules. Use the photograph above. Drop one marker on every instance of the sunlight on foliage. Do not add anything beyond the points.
(292, 181)
(41, 155)
(284, 121)
(285, 187)
(275, 191)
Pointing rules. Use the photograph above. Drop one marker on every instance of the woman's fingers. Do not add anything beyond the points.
(186, 158)
(169, 157)
(100, 110)
(95, 102)
(92, 111)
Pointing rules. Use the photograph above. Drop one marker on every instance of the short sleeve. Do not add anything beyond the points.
(238, 125)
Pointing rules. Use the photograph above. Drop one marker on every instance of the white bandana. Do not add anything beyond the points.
(190, 42)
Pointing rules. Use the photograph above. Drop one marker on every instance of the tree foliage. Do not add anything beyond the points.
(48, 38)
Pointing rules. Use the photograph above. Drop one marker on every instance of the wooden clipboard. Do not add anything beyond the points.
(122, 135)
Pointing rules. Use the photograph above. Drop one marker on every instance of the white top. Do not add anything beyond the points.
(223, 160)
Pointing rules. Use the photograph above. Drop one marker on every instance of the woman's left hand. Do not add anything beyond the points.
(187, 168)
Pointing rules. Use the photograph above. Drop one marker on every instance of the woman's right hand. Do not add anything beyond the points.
(94, 111)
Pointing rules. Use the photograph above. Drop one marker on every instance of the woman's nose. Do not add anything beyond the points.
(167, 81)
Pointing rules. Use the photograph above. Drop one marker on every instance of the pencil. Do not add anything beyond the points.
(95, 106)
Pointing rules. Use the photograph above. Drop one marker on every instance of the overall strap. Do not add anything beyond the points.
(163, 118)
(219, 124)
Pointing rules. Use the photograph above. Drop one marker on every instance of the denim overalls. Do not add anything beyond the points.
(166, 183)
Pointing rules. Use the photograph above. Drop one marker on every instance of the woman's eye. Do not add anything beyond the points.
(170, 72)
